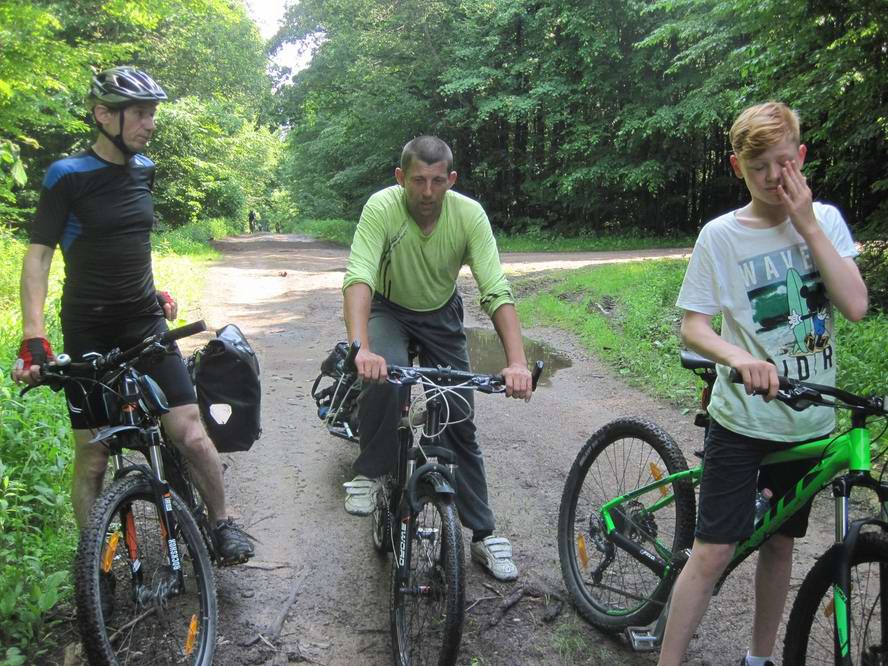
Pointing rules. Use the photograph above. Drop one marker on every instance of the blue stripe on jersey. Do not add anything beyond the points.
(142, 161)
(72, 231)
(79, 164)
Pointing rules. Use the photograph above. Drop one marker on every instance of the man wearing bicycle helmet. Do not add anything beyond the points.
(98, 207)
(400, 285)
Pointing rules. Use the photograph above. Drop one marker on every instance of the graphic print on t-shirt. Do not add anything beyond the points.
(790, 306)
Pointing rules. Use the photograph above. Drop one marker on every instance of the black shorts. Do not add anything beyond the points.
(85, 406)
(731, 465)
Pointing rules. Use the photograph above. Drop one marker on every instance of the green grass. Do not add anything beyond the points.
(626, 314)
(335, 231)
(37, 531)
(544, 241)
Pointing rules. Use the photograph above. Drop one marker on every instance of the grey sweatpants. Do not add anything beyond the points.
(442, 341)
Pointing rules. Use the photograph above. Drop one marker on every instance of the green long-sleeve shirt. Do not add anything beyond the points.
(393, 257)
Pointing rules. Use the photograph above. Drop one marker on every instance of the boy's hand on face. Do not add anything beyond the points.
(797, 198)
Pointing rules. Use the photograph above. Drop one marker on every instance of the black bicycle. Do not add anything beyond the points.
(415, 516)
(144, 584)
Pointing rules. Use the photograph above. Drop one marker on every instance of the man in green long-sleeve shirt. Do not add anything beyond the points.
(400, 285)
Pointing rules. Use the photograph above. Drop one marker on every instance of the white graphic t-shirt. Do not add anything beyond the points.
(775, 306)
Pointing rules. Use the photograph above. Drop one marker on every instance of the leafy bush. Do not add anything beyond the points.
(37, 530)
(37, 536)
(873, 263)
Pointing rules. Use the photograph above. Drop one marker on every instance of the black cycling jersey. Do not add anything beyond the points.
(101, 214)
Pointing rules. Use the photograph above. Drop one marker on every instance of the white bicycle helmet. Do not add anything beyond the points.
(121, 86)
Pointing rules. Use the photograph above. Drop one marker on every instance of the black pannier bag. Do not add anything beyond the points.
(226, 376)
(335, 392)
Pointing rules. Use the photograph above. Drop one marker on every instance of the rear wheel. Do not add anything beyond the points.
(427, 609)
(133, 607)
(810, 631)
(611, 588)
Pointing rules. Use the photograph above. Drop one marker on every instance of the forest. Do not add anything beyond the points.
(568, 118)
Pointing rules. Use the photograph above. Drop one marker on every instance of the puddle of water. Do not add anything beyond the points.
(486, 354)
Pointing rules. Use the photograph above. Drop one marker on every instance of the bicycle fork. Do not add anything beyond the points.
(846, 540)
(144, 595)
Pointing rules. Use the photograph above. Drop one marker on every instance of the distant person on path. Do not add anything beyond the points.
(779, 245)
(98, 206)
(252, 219)
(400, 285)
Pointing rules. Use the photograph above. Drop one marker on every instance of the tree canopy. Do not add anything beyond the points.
(584, 115)
(215, 148)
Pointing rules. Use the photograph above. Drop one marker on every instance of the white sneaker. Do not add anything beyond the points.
(495, 555)
(360, 495)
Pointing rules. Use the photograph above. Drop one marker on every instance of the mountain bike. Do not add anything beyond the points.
(144, 586)
(416, 517)
(627, 517)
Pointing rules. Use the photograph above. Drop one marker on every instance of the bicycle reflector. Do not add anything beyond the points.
(581, 551)
(192, 635)
(110, 549)
(657, 473)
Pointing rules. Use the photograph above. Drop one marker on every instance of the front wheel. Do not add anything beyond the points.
(133, 606)
(810, 631)
(427, 608)
(381, 519)
(609, 587)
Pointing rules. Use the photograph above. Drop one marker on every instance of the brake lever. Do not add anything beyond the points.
(800, 398)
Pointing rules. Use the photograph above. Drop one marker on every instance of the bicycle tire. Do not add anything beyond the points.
(623, 455)
(427, 615)
(178, 476)
(809, 632)
(142, 623)
(381, 521)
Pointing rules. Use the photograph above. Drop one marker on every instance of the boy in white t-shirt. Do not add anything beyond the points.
(773, 269)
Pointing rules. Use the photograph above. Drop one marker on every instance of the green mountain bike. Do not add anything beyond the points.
(627, 517)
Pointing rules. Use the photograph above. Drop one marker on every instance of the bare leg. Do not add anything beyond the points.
(690, 597)
(90, 463)
(184, 426)
(772, 573)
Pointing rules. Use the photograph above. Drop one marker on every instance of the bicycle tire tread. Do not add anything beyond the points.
(87, 562)
(685, 502)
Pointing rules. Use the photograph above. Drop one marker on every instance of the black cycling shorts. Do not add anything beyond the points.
(731, 475)
(85, 405)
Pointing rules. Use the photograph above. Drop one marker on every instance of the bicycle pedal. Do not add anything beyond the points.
(642, 639)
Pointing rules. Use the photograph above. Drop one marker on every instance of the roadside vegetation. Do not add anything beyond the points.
(536, 239)
(626, 315)
(38, 536)
(556, 127)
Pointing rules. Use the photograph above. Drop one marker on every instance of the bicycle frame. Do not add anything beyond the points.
(849, 451)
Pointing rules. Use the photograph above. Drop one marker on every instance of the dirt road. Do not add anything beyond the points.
(284, 292)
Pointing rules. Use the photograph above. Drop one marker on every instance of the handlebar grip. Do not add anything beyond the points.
(785, 382)
(184, 331)
(349, 363)
(535, 374)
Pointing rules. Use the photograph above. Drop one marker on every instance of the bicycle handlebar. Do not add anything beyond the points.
(63, 367)
(800, 395)
(411, 375)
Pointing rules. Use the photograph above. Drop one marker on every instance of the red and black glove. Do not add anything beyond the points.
(35, 351)
(164, 298)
